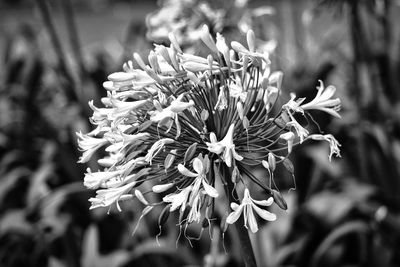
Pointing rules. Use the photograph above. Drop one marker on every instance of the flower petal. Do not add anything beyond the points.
(198, 166)
(234, 215)
(266, 215)
(252, 221)
(183, 170)
(265, 203)
(211, 191)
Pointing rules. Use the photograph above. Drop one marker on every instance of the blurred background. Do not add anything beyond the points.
(54, 57)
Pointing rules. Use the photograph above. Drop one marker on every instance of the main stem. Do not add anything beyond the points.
(247, 249)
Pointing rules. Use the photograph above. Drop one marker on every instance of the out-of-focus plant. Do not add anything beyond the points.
(185, 19)
(184, 125)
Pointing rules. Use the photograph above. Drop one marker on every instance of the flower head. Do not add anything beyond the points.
(182, 123)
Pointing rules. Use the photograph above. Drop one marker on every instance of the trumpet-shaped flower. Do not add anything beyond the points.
(225, 146)
(248, 206)
(323, 101)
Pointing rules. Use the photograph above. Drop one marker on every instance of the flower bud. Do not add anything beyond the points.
(121, 76)
(169, 159)
(153, 60)
(265, 164)
(288, 165)
(160, 188)
(139, 61)
(278, 199)
(190, 152)
(141, 198)
(174, 42)
(153, 75)
(271, 161)
(251, 41)
(204, 115)
(109, 86)
(172, 56)
(163, 51)
(207, 39)
(240, 110)
(236, 176)
(238, 47)
(246, 123)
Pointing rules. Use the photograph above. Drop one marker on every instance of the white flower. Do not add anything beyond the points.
(200, 175)
(247, 206)
(225, 145)
(178, 199)
(172, 112)
(106, 197)
(293, 105)
(333, 143)
(323, 101)
(156, 148)
(94, 180)
(236, 90)
(89, 145)
(257, 58)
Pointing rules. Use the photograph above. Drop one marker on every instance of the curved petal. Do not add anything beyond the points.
(234, 215)
(234, 206)
(265, 203)
(327, 93)
(252, 221)
(198, 166)
(183, 170)
(211, 191)
(236, 155)
(266, 215)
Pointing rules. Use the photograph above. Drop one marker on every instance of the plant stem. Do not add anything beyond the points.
(242, 232)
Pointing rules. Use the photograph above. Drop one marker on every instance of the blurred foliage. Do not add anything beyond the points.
(342, 213)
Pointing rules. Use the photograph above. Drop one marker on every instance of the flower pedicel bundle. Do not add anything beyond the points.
(185, 126)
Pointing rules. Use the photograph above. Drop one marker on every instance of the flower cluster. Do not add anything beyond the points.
(182, 128)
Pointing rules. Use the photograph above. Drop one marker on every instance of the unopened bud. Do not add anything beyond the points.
(246, 123)
(271, 161)
(121, 76)
(278, 199)
(169, 159)
(141, 198)
(139, 61)
(207, 39)
(251, 41)
(153, 75)
(174, 42)
(288, 165)
(162, 187)
(240, 110)
(153, 61)
(236, 176)
(204, 115)
(190, 152)
(265, 164)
